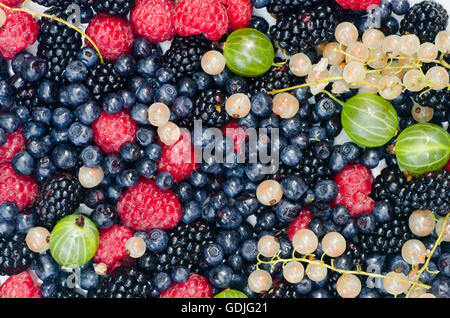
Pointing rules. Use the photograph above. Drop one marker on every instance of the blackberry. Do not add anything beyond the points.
(388, 237)
(58, 196)
(293, 34)
(63, 4)
(185, 54)
(438, 100)
(114, 7)
(123, 283)
(281, 289)
(27, 96)
(425, 19)
(330, 285)
(15, 256)
(185, 246)
(407, 194)
(283, 6)
(103, 79)
(209, 107)
(276, 78)
(64, 291)
(58, 44)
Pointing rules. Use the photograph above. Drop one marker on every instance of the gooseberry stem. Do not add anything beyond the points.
(54, 17)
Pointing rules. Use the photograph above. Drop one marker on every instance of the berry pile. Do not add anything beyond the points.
(212, 167)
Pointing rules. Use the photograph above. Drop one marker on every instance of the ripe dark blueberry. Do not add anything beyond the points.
(128, 98)
(145, 93)
(325, 108)
(221, 78)
(400, 7)
(444, 264)
(182, 106)
(198, 178)
(325, 190)
(76, 71)
(212, 254)
(249, 121)
(184, 191)
(291, 155)
(93, 197)
(337, 162)
(42, 115)
(88, 56)
(232, 186)
(317, 227)
(33, 68)
(37, 148)
(61, 117)
(130, 152)
(157, 240)
(350, 150)
(200, 195)
(6, 90)
(164, 75)
(88, 112)
(25, 221)
(340, 215)
(259, 23)
(162, 281)
(321, 210)
(317, 133)
(391, 26)
(8, 211)
(229, 240)
(236, 84)
(398, 264)
(166, 94)
(149, 65)
(44, 168)
(104, 216)
(220, 276)
(366, 223)
(125, 65)
(203, 80)
(64, 156)
(9, 122)
(128, 178)
(249, 250)
(382, 211)
(145, 136)
(112, 103)
(261, 104)
(45, 267)
(368, 293)
(18, 60)
(22, 112)
(139, 114)
(73, 94)
(91, 156)
(350, 230)
(146, 167)
(23, 163)
(290, 127)
(88, 279)
(293, 187)
(179, 274)
(287, 211)
(164, 180)
(370, 158)
(192, 211)
(79, 134)
(187, 86)
(246, 203)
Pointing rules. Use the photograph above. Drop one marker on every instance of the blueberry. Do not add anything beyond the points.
(139, 114)
(22, 112)
(316, 225)
(232, 186)
(6, 89)
(321, 210)
(143, 48)
(149, 65)
(9, 122)
(187, 87)
(366, 223)
(370, 158)
(368, 293)
(88, 56)
(166, 94)
(164, 75)
(8, 211)
(191, 212)
(23, 163)
(76, 71)
(236, 84)
(203, 80)
(37, 148)
(24, 221)
(88, 279)
(337, 162)
(301, 141)
(6, 103)
(93, 197)
(398, 264)
(249, 121)
(33, 68)
(229, 241)
(88, 112)
(325, 108)
(391, 26)
(146, 167)
(157, 240)
(317, 133)
(222, 77)
(61, 117)
(382, 211)
(258, 4)
(162, 281)
(287, 211)
(6, 228)
(125, 65)
(42, 115)
(441, 287)
(350, 230)
(184, 191)
(46, 268)
(350, 150)
(259, 23)
(91, 156)
(145, 136)
(73, 94)
(293, 187)
(220, 276)
(291, 155)
(261, 105)
(145, 93)
(340, 215)
(444, 264)
(18, 60)
(64, 156)
(400, 7)
(212, 254)
(249, 250)
(290, 127)
(44, 168)
(2, 137)
(179, 274)
(200, 195)
(164, 180)
(246, 204)
(182, 106)
(272, 121)
(198, 179)
(333, 126)
(79, 134)
(128, 178)
(130, 152)
(129, 99)
(104, 216)
(112, 103)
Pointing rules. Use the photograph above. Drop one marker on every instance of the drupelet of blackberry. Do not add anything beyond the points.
(281, 289)
(185, 54)
(185, 246)
(113, 7)
(58, 196)
(209, 107)
(276, 78)
(424, 19)
(123, 283)
(27, 96)
(103, 79)
(297, 32)
(58, 44)
(15, 256)
(283, 6)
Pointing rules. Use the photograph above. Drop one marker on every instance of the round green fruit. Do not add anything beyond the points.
(248, 52)
(369, 120)
(423, 147)
(74, 241)
(230, 293)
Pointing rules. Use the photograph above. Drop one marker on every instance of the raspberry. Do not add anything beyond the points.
(111, 248)
(239, 13)
(20, 286)
(201, 16)
(195, 287)
(15, 142)
(112, 34)
(145, 207)
(19, 31)
(358, 4)
(232, 130)
(152, 19)
(179, 158)
(447, 166)
(11, 3)
(300, 223)
(111, 131)
(20, 190)
(354, 183)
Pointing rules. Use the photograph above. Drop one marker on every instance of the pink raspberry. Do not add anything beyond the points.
(361, 5)
(145, 207)
(239, 13)
(20, 286)
(152, 19)
(300, 223)
(195, 287)
(20, 190)
(15, 142)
